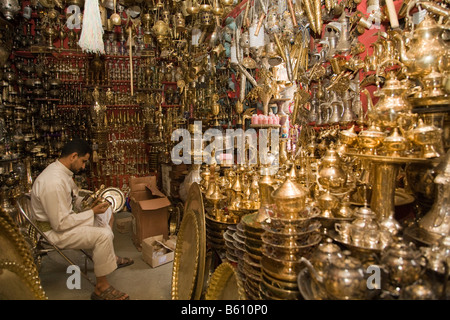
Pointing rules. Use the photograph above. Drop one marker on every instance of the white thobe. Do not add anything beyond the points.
(54, 198)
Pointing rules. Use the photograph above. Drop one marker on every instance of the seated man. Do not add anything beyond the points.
(54, 199)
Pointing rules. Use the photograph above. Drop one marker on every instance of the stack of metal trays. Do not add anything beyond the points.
(215, 235)
(239, 245)
(285, 241)
(231, 253)
(252, 258)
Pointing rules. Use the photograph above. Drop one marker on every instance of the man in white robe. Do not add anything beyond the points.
(56, 206)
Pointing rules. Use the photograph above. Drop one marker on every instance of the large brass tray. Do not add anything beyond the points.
(19, 277)
(185, 265)
(14, 246)
(193, 262)
(18, 282)
(225, 284)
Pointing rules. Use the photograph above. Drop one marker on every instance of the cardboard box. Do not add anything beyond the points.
(123, 225)
(156, 252)
(150, 214)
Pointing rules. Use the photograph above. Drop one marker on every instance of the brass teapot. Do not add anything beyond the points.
(392, 102)
(331, 175)
(343, 279)
(323, 256)
(403, 263)
(427, 49)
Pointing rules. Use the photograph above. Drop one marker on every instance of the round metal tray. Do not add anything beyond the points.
(225, 284)
(115, 196)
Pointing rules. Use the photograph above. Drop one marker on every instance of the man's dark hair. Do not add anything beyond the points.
(76, 145)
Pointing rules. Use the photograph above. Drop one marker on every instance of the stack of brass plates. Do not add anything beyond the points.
(284, 242)
(239, 249)
(231, 253)
(252, 257)
(215, 235)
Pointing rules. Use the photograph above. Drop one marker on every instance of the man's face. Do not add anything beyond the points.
(78, 163)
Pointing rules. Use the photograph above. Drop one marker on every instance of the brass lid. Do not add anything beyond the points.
(329, 247)
(289, 190)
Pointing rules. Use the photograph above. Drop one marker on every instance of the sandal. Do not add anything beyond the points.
(110, 294)
(123, 262)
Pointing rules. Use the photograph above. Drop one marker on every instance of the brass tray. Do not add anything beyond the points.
(401, 198)
(195, 203)
(13, 245)
(19, 277)
(116, 197)
(18, 282)
(352, 247)
(185, 264)
(225, 284)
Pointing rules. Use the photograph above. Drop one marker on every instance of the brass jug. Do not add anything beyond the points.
(427, 49)
(392, 102)
(331, 175)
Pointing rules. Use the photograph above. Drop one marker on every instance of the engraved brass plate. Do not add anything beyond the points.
(185, 265)
(195, 203)
(225, 284)
(19, 278)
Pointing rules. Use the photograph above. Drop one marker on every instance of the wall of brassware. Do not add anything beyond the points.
(356, 91)
(351, 97)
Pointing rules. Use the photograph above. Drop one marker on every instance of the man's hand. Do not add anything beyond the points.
(101, 207)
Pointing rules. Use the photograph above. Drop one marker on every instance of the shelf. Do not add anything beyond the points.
(109, 106)
(47, 99)
(265, 126)
(170, 105)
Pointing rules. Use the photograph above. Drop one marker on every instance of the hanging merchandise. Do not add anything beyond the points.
(91, 39)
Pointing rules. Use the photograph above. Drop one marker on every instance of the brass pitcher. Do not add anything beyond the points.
(392, 102)
(427, 49)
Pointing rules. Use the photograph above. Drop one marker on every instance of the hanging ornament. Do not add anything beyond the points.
(91, 39)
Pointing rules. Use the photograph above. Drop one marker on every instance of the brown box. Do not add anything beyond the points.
(156, 252)
(123, 225)
(150, 214)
